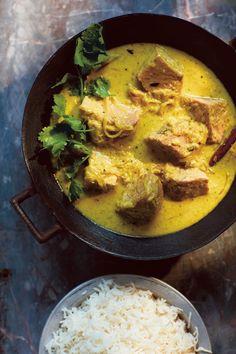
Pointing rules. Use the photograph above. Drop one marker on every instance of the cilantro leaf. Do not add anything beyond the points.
(75, 123)
(59, 104)
(75, 91)
(75, 190)
(77, 86)
(54, 138)
(80, 147)
(83, 136)
(63, 80)
(79, 56)
(74, 82)
(72, 170)
(77, 126)
(98, 87)
(90, 52)
(93, 39)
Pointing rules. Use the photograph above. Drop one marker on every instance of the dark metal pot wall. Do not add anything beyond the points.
(216, 54)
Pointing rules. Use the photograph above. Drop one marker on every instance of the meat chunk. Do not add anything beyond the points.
(103, 171)
(177, 139)
(101, 174)
(108, 118)
(210, 111)
(141, 199)
(161, 72)
(180, 184)
(144, 99)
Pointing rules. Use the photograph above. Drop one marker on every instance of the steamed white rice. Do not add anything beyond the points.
(122, 320)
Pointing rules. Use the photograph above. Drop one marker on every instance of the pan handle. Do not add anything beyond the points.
(232, 43)
(40, 236)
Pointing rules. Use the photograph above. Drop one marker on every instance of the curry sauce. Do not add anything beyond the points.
(174, 215)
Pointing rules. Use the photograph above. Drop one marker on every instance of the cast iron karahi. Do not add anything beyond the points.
(177, 33)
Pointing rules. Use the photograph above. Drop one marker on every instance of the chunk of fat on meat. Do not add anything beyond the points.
(141, 199)
(177, 139)
(212, 112)
(160, 72)
(109, 118)
(180, 183)
(101, 174)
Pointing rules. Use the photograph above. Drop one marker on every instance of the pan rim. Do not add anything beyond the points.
(123, 236)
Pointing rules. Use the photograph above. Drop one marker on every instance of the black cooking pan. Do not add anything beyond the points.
(216, 54)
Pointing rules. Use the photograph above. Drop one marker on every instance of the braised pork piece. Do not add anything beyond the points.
(210, 111)
(108, 118)
(180, 183)
(161, 72)
(141, 199)
(177, 138)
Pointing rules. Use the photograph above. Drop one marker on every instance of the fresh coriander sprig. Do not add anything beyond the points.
(59, 105)
(75, 190)
(72, 170)
(90, 52)
(66, 140)
(73, 82)
(54, 138)
(65, 79)
(98, 87)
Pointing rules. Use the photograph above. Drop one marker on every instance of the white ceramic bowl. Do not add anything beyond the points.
(76, 296)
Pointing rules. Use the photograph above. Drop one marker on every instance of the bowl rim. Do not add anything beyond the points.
(86, 288)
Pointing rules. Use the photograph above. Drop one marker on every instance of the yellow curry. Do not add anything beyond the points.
(173, 215)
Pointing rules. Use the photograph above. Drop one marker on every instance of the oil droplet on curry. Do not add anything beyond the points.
(175, 212)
